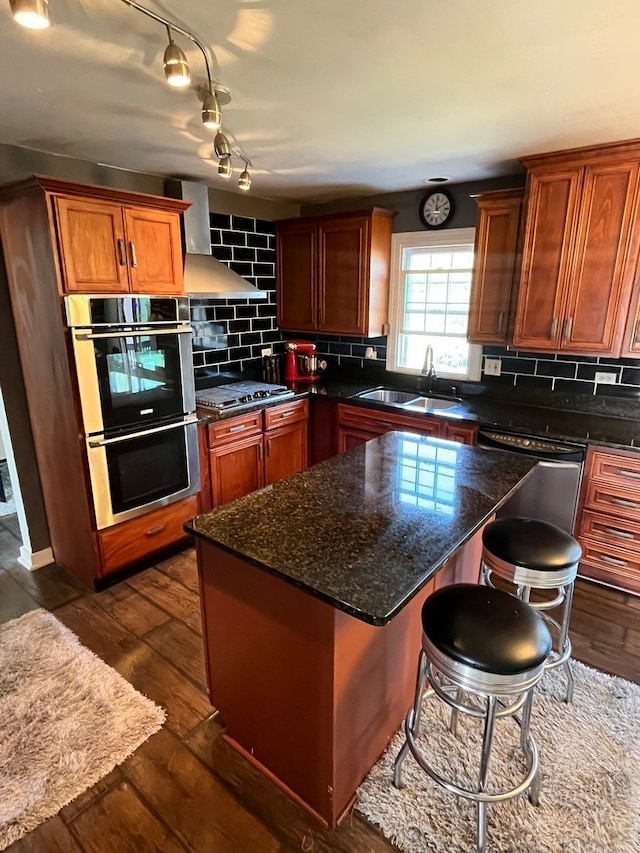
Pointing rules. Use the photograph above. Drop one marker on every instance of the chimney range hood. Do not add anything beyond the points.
(205, 275)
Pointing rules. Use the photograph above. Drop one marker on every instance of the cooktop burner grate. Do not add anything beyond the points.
(235, 395)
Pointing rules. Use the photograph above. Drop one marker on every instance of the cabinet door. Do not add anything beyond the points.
(343, 264)
(236, 469)
(464, 433)
(92, 246)
(296, 271)
(285, 452)
(550, 225)
(602, 269)
(154, 250)
(494, 266)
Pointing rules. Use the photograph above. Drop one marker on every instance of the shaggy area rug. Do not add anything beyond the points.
(590, 760)
(66, 720)
(8, 505)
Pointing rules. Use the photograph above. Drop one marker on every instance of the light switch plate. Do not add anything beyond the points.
(493, 366)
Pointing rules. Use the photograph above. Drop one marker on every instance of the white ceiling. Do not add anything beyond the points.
(330, 98)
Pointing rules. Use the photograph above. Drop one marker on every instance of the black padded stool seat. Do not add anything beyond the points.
(485, 628)
(531, 543)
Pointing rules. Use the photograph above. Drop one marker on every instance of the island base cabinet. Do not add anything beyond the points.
(311, 695)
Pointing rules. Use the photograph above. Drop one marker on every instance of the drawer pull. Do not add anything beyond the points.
(153, 531)
(622, 502)
(284, 414)
(635, 475)
(614, 561)
(621, 534)
(385, 424)
(238, 428)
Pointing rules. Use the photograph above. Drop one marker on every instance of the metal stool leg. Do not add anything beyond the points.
(487, 741)
(413, 718)
(525, 743)
(565, 642)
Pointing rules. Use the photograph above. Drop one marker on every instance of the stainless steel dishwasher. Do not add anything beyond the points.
(550, 492)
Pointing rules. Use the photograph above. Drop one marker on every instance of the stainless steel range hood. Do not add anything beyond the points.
(205, 275)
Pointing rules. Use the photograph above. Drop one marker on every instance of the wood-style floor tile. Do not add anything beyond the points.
(182, 568)
(14, 601)
(182, 647)
(52, 836)
(172, 597)
(133, 611)
(50, 586)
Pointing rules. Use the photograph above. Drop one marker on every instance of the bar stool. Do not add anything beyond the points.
(482, 644)
(535, 555)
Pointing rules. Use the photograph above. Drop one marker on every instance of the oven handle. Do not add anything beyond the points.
(104, 442)
(92, 336)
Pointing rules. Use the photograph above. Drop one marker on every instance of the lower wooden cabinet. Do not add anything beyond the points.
(357, 425)
(609, 518)
(131, 540)
(253, 450)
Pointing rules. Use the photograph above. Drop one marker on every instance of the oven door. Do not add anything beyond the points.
(134, 473)
(128, 377)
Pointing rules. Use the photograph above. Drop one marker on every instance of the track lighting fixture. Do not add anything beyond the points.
(221, 145)
(32, 14)
(225, 169)
(176, 67)
(244, 181)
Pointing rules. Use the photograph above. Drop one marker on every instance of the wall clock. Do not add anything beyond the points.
(436, 208)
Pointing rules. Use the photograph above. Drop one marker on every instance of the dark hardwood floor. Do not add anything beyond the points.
(185, 789)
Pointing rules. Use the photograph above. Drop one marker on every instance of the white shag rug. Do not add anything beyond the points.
(8, 506)
(66, 720)
(590, 760)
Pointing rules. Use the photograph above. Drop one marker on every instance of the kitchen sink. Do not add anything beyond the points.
(389, 396)
(430, 404)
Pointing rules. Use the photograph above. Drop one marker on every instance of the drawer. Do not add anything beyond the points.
(124, 543)
(613, 500)
(622, 471)
(611, 530)
(383, 421)
(287, 413)
(613, 566)
(237, 427)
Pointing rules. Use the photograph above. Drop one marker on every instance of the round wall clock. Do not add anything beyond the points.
(436, 208)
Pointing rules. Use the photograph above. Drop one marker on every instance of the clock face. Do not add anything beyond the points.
(436, 209)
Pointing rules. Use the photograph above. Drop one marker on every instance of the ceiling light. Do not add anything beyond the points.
(244, 181)
(176, 67)
(221, 145)
(32, 14)
(211, 112)
(225, 169)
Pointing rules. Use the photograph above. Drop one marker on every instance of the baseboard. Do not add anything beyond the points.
(37, 560)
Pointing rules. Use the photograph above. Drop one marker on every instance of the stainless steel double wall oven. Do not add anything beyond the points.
(134, 365)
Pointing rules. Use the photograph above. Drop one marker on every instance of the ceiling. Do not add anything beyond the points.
(329, 99)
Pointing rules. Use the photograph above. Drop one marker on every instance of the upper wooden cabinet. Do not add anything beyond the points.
(333, 273)
(580, 249)
(107, 247)
(494, 265)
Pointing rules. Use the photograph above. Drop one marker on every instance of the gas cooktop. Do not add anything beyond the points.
(236, 395)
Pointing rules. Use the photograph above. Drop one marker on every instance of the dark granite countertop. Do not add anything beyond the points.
(364, 531)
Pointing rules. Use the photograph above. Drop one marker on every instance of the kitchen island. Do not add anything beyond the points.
(311, 593)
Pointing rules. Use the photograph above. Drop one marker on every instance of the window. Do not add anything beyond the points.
(430, 292)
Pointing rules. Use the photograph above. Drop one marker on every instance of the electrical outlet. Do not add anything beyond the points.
(493, 366)
(265, 351)
(606, 377)
(370, 352)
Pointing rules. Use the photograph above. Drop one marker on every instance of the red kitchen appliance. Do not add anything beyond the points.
(301, 362)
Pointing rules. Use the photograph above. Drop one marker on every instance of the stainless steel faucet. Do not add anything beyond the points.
(427, 368)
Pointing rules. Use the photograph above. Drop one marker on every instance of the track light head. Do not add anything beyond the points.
(225, 169)
(244, 181)
(221, 145)
(211, 117)
(32, 14)
(176, 67)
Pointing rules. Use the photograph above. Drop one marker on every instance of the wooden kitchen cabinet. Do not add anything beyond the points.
(494, 265)
(580, 249)
(333, 273)
(357, 425)
(107, 247)
(609, 518)
(255, 449)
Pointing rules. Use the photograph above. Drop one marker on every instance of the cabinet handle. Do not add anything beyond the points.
(122, 253)
(134, 254)
(621, 502)
(500, 321)
(621, 534)
(268, 447)
(385, 424)
(554, 328)
(153, 531)
(613, 560)
(636, 329)
(259, 446)
(238, 428)
(568, 323)
(633, 474)
(282, 415)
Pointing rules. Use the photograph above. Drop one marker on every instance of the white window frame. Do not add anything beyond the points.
(423, 240)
